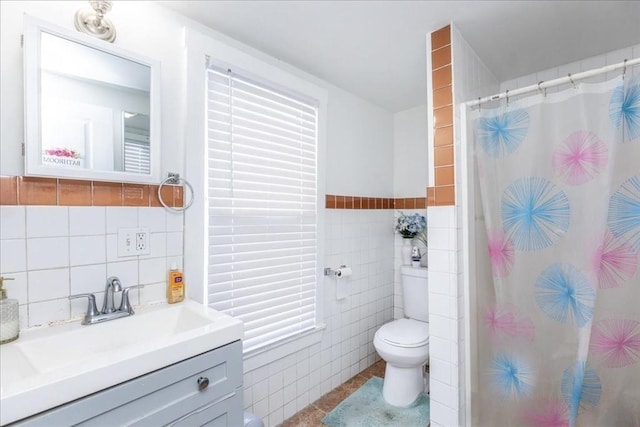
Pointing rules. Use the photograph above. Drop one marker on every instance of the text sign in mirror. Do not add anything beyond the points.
(92, 108)
(87, 99)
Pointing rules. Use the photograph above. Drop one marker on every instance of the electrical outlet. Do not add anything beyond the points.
(142, 238)
(133, 241)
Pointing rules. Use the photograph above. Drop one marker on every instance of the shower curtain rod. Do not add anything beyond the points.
(571, 78)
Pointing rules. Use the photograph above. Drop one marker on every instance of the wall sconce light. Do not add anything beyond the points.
(94, 22)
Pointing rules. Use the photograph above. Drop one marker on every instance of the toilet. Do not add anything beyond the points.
(404, 343)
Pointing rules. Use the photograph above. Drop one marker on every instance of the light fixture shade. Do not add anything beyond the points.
(94, 22)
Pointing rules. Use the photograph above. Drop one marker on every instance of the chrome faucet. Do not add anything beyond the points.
(113, 285)
(108, 312)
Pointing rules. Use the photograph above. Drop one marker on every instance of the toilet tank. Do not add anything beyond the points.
(415, 293)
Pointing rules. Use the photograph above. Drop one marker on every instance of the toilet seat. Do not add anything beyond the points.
(404, 333)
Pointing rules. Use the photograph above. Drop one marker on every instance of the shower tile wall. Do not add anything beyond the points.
(446, 291)
(444, 316)
(57, 251)
(362, 239)
(442, 192)
(610, 58)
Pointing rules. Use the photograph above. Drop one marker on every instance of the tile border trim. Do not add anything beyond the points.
(22, 190)
(333, 201)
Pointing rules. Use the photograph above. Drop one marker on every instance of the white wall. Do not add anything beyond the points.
(410, 171)
(359, 146)
(410, 152)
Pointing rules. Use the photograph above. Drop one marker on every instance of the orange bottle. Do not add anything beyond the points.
(175, 285)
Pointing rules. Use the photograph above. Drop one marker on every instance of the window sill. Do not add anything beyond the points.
(264, 356)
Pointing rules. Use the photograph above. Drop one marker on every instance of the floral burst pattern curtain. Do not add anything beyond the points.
(559, 324)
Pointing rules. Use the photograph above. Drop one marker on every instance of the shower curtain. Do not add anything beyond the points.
(559, 322)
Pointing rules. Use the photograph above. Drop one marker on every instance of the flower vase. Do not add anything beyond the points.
(406, 250)
(424, 261)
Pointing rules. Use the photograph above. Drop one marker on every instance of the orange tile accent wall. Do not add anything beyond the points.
(20, 190)
(443, 192)
(356, 202)
(440, 38)
(8, 190)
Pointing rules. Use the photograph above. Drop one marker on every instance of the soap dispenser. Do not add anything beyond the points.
(9, 319)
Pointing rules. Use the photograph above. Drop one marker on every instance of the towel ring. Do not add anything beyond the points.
(174, 179)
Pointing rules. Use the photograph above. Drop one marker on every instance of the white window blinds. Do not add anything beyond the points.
(262, 207)
(137, 153)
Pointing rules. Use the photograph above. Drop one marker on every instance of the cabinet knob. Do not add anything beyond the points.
(203, 382)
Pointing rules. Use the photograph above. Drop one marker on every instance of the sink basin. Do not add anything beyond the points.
(50, 366)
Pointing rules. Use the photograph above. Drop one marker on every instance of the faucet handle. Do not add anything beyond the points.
(125, 304)
(115, 283)
(92, 309)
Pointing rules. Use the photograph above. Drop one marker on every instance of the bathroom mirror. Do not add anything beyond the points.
(92, 109)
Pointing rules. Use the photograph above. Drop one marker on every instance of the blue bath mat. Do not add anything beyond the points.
(367, 408)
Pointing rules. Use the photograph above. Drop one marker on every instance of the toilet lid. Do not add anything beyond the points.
(405, 333)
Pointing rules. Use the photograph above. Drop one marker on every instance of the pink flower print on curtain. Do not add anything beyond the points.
(580, 158)
(508, 322)
(548, 413)
(501, 252)
(616, 342)
(614, 262)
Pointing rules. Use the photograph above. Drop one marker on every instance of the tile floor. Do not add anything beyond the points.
(312, 415)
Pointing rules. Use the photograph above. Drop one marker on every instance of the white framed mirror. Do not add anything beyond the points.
(92, 109)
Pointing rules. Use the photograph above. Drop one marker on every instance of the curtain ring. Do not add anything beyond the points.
(624, 68)
(571, 80)
(542, 91)
(479, 105)
(506, 94)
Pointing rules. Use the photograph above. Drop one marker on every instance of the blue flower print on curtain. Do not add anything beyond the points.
(535, 213)
(511, 377)
(502, 134)
(581, 388)
(564, 294)
(624, 110)
(624, 212)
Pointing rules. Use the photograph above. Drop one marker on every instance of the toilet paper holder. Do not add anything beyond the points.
(328, 271)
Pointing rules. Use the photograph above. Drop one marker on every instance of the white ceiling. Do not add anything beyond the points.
(376, 49)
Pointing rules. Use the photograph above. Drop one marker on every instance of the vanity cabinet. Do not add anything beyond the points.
(203, 390)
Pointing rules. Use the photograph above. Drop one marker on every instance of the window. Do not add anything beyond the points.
(262, 183)
(137, 153)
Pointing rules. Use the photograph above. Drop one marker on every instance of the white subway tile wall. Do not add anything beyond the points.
(363, 240)
(575, 67)
(54, 252)
(471, 79)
